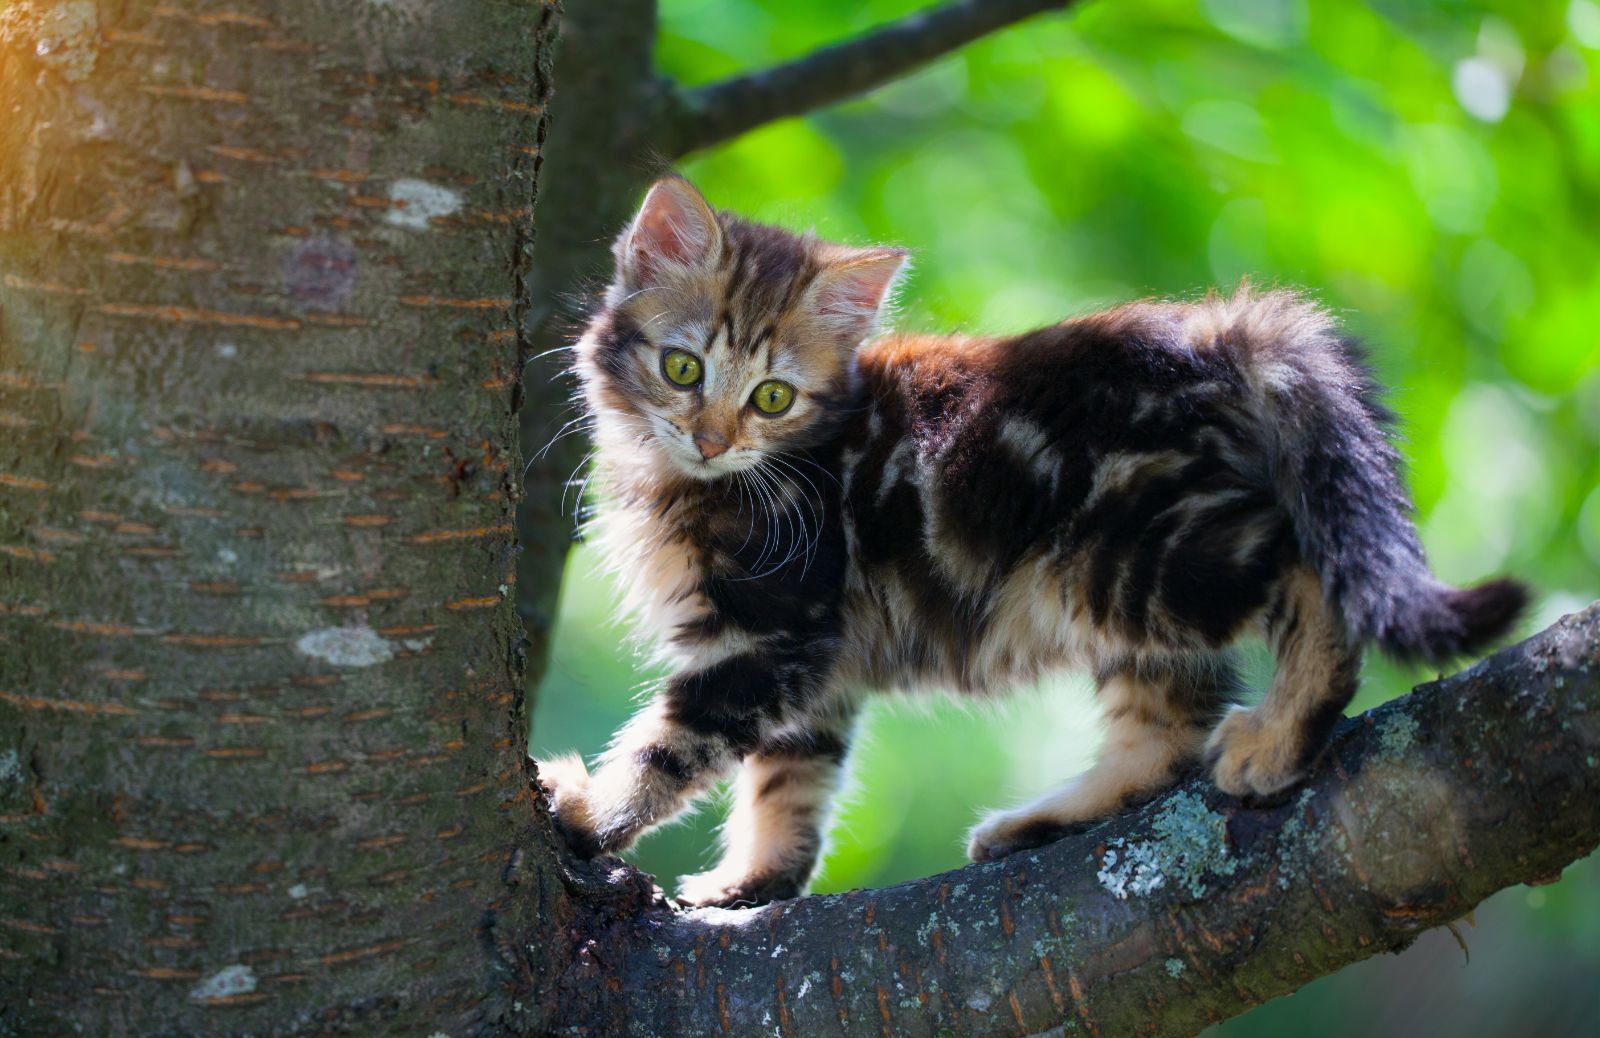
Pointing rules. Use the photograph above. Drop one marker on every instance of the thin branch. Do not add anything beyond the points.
(711, 114)
(1188, 911)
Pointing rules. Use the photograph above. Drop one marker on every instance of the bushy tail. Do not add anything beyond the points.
(1341, 479)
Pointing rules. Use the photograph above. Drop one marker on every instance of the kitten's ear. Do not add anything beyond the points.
(675, 229)
(851, 290)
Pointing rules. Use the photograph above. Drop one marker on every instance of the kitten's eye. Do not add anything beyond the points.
(773, 397)
(681, 367)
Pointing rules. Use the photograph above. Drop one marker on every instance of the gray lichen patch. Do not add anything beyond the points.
(1299, 842)
(416, 202)
(1128, 871)
(1399, 734)
(346, 646)
(1191, 842)
(10, 766)
(230, 980)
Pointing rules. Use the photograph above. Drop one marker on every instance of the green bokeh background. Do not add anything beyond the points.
(1430, 170)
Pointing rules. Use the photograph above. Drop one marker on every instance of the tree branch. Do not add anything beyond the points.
(1185, 912)
(720, 111)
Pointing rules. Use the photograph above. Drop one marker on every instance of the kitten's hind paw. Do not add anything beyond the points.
(727, 890)
(1250, 759)
(565, 782)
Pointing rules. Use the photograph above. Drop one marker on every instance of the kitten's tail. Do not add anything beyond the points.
(1340, 478)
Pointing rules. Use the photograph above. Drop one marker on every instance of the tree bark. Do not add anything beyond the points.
(261, 718)
(1183, 913)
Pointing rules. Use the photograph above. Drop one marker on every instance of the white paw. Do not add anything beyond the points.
(565, 781)
(564, 778)
(987, 841)
(730, 888)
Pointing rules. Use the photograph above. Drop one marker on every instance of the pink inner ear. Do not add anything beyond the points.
(673, 227)
(856, 288)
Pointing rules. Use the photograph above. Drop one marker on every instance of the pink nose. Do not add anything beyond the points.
(710, 445)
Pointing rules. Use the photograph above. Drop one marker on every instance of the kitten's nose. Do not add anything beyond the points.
(710, 444)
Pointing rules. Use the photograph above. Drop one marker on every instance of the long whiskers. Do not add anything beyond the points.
(583, 485)
(742, 482)
(763, 490)
(794, 516)
(814, 503)
(578, 424)
(795, 457)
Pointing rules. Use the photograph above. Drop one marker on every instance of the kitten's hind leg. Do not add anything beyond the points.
(773, 835)
(1157, 714)
(1266, 749)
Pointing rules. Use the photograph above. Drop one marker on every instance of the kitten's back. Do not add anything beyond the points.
(1253, 388)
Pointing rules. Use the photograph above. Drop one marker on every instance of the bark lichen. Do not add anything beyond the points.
(1191, 842)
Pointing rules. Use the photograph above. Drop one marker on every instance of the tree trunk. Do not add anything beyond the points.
(261, 722)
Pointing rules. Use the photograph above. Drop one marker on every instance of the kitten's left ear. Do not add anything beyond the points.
(852, 289)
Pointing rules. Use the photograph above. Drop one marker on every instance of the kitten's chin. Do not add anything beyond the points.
(703, 470)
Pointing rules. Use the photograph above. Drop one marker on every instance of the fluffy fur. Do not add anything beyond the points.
(1129, 492)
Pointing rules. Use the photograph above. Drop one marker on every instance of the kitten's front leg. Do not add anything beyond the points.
(654, 767)
(773, 835)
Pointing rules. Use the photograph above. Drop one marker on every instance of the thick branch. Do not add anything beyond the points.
(724, 110)
(1187, 911)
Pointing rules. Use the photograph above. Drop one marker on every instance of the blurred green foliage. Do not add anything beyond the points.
(1431, 170)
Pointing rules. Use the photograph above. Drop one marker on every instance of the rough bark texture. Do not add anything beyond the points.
(1183, 913)
(261, 720)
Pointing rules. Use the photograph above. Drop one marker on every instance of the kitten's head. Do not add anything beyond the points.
(723, 341)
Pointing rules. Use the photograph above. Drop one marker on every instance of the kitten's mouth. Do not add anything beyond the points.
(689, 461)
(707, 468)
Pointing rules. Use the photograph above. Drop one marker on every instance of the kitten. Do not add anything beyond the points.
(800, 516)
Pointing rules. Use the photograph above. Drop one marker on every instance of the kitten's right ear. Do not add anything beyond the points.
(675, 230)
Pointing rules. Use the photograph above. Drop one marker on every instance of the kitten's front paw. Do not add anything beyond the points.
(729, 890)
(1248, 758)
(566, 785)
(1007, 832)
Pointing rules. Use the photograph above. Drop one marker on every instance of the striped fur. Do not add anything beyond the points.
(1129, 492)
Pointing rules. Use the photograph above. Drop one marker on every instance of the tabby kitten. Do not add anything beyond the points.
(801, 516)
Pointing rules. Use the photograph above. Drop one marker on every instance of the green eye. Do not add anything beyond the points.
(681, 367)
(773, 397)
